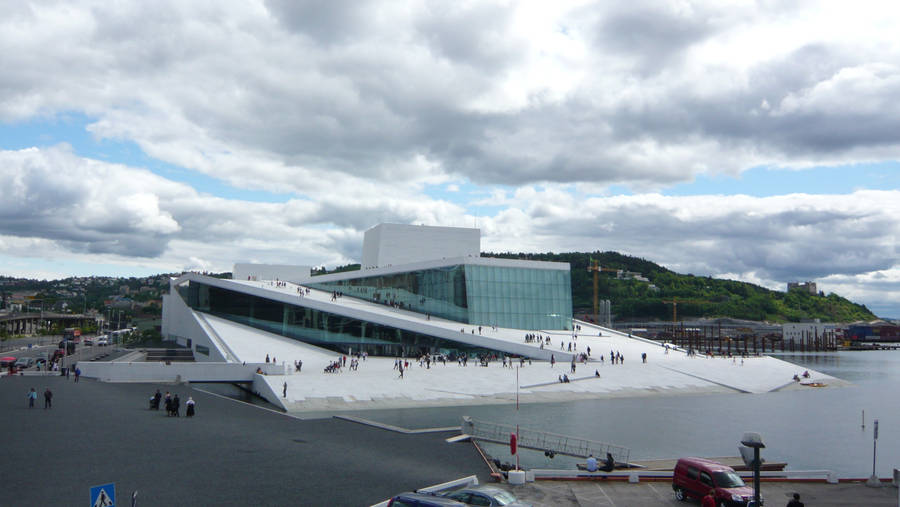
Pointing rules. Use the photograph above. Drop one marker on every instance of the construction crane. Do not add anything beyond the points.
(595, 267)
(674, 302)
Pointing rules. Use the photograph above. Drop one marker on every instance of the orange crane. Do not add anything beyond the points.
(595, 267)
(674, 302)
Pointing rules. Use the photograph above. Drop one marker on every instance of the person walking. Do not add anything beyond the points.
(32, 395)
(190, 407)
(284, 395)
(176, 402)
(48, 399)
(77, 373)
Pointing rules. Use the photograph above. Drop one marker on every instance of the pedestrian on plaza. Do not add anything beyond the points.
(77, 373)
(175, 405)
(168, 404)
(401, 370)
(190, 407)
(709, 500)
(32, 395)
(552, 360)
(48, 399)
(267, 358)
(795, 502)
(284, 389)
(156, 398)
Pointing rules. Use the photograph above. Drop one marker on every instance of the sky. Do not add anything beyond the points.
(755, 141)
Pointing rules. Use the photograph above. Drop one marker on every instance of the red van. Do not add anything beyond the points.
(694, 477)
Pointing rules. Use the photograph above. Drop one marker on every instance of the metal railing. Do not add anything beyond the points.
(543, 440)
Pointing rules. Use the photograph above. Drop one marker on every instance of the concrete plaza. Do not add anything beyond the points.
(231, 453)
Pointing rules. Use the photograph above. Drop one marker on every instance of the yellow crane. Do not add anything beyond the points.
(595, 267)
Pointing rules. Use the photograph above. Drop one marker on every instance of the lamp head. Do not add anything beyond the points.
(754, 440)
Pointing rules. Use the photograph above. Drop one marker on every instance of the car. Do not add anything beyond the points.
(486, 495)
(24, 362)
(410, 499)
(88, 341)
(103, 341)
(694, 477)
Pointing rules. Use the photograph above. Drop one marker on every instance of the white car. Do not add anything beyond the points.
(103, 341)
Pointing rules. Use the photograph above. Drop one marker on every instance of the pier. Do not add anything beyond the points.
(542, 440)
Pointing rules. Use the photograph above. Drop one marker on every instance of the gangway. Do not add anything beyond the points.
(542, 440)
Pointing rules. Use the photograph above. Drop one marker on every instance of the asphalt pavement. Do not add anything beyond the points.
(231, 453)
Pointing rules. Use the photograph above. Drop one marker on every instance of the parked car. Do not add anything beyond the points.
(422, 500)
(103, 341)
(6, 362)
(88, 341)
(486, 495)
(24, 362)
(694, 477)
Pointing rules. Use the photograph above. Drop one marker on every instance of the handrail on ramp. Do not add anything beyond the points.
(543, 440)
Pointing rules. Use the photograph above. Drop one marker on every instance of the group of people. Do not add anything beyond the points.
(48, 398)
(172, 404)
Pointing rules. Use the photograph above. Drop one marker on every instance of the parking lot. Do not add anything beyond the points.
(647, 494)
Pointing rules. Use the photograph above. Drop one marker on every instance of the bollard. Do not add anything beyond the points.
(832, 478)
(634, 478)
(516, 477)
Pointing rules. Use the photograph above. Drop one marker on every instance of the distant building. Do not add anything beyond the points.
(797, 332)
(805, 286)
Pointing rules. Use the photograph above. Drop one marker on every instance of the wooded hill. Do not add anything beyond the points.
(697, 296)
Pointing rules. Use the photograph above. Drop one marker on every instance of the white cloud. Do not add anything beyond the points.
(274, 96)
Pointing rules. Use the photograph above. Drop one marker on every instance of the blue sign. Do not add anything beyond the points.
(104, 496)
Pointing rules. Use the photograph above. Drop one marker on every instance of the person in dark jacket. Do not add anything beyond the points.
(176, 402)
(795, 502)
(48, 399)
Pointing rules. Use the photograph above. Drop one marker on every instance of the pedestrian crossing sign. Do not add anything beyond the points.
(104, 496)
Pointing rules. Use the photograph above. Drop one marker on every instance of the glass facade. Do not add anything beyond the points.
(519, 298)
(323, 329)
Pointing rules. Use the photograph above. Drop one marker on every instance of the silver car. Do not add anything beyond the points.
(486, 495)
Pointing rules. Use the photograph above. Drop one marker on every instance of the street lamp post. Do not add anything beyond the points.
(873, 481)
(753, 441)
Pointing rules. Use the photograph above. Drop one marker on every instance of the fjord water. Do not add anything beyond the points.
(810, 429)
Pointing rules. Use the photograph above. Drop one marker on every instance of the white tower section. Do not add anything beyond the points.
(395, 244)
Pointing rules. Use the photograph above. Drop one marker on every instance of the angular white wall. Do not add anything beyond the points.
(396, 244)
